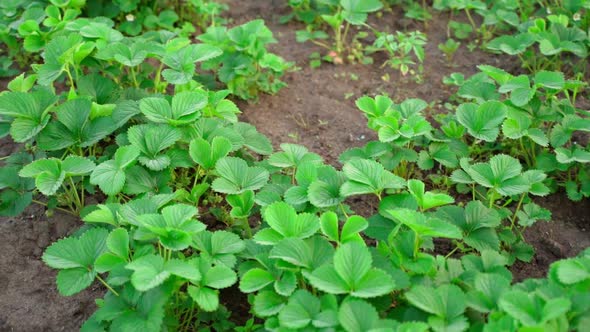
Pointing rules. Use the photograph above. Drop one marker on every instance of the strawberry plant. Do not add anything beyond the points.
(449, 48)
(341, 17)
(400, 48)
(245, 65)
(555, 36)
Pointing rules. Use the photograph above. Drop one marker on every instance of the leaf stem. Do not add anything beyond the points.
(247, 228)
(343, 210)
(470, 19)
(57, 208)
(107, 285)
(516, 211)
(77, 202)
(133, 77)
(452, 252)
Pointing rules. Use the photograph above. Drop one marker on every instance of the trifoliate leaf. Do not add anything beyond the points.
(236, 176)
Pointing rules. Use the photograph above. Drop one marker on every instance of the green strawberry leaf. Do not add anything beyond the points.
(235, 176)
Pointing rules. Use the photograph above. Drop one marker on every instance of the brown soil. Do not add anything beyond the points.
(29, 300)
(311, 111)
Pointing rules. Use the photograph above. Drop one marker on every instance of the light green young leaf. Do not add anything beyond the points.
(300, 310)
(255, 279)
(206, 298)
(75, 257)
(219, 246)
(174, 228)
(502, 173)
(207, 155)
(309, 254)
(185, 107)
(236, 176)
(293, 155)
(77, 166)
(446, 301)
(29, 110)
(426, 226)
(148, 272)
(427, 200)
(151, 140)
(284, 222)
(483, 121)
(352, 273)
(329, 226)
(367, 176)
(48, 174)
(268, 303)
(357, 316)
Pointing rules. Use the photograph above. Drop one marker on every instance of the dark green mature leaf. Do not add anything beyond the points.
(549, 79)
(148, 272)
(253, 140)
(310, 253)
(520, 90)
(57, 51)
(220, 246)
(133, 310)
(512, 44)
(205, 292)
(75, 126)
(352, 262)
(477, 223)
(255, 279)
(77, 166)
(129, 55)
(206, 298)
